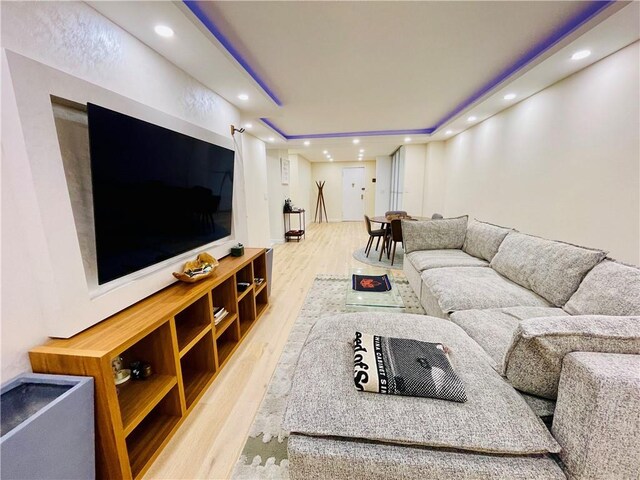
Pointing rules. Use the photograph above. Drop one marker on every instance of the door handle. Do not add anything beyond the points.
(361, 197)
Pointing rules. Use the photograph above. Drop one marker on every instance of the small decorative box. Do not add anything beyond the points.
(237, 250)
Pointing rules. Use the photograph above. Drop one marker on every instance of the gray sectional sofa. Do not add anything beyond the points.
(534, 326)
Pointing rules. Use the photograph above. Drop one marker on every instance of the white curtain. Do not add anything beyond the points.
(397, 176)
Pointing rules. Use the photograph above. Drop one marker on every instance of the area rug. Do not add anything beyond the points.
(264, 455)
(385, 262)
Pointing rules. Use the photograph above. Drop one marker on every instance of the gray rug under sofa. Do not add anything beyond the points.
(558, 322)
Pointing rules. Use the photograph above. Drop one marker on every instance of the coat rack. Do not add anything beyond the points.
(320, 204)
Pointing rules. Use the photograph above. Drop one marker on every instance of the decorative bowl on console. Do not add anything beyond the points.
(202, 267)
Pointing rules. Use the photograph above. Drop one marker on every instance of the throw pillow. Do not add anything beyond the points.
(441, 234)
(483, 239)
(401, 366)
(610, 288)
(551, 269)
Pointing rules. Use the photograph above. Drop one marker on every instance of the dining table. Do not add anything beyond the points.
(383, 219)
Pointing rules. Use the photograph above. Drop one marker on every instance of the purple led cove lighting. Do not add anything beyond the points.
(366, 133)
(224, 41)
(369, 133)
(576, 22)
(272, 126)
(592, 9)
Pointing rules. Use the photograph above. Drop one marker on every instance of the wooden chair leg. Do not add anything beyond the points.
(378, 243)
(393, 255)
(384, 244)
(367, 249)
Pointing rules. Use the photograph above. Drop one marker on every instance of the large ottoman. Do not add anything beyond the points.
(339, 432)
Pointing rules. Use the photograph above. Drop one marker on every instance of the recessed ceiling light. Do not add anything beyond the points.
(243, 96)
(163, 31)
(248, 125)
(510, 96)
(331, 159)
(325, 151)
(360, 159)
(362, 150)
(307, 143)
(407, 139)
(448, 132)
(579, 55)
(271, 139)
(471, 119)
(356, 141)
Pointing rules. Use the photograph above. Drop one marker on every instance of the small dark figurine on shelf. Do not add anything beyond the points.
(288, 206)
(140, 370)
(136, 370)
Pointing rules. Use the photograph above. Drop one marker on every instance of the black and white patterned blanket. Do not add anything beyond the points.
(401, 366)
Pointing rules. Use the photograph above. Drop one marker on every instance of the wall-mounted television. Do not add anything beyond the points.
(157, 193)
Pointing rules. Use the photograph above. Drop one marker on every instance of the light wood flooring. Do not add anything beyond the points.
(210, 441)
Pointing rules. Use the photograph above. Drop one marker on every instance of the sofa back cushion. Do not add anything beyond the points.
(483, 239)
(552, 269)
(534, 358)
(433, 234)
(610, 288)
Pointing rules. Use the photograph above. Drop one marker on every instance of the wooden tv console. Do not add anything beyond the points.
(174, 331)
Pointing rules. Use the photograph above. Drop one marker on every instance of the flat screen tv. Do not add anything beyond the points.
(156, 193)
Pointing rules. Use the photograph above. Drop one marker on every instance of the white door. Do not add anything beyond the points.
(352, 194)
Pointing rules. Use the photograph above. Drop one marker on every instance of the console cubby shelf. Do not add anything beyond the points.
(229, 320)
(174, 331)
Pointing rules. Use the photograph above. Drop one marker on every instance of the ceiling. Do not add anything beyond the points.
(358, 70)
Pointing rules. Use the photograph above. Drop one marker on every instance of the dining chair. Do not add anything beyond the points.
(373, 234)
(391, 215)
(392, 239)
(400, 213)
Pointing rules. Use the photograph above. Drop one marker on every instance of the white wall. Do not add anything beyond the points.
(277, 194)
(73, 38)
(434, 179)
(300, 187)
(383, 184)
(254, 156)
(331, 173)
(563, 164)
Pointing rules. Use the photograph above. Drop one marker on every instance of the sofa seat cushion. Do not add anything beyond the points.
(433, 234)
(324, 402)
(552, 269)
(534, 359)
(483, 239)
(466, 288)
(427, 259)
(610, 288)
(493, 328)
(317, 458)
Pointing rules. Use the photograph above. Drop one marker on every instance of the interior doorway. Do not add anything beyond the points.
(352, 194)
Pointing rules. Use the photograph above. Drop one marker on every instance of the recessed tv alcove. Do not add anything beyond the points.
(59, 200)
